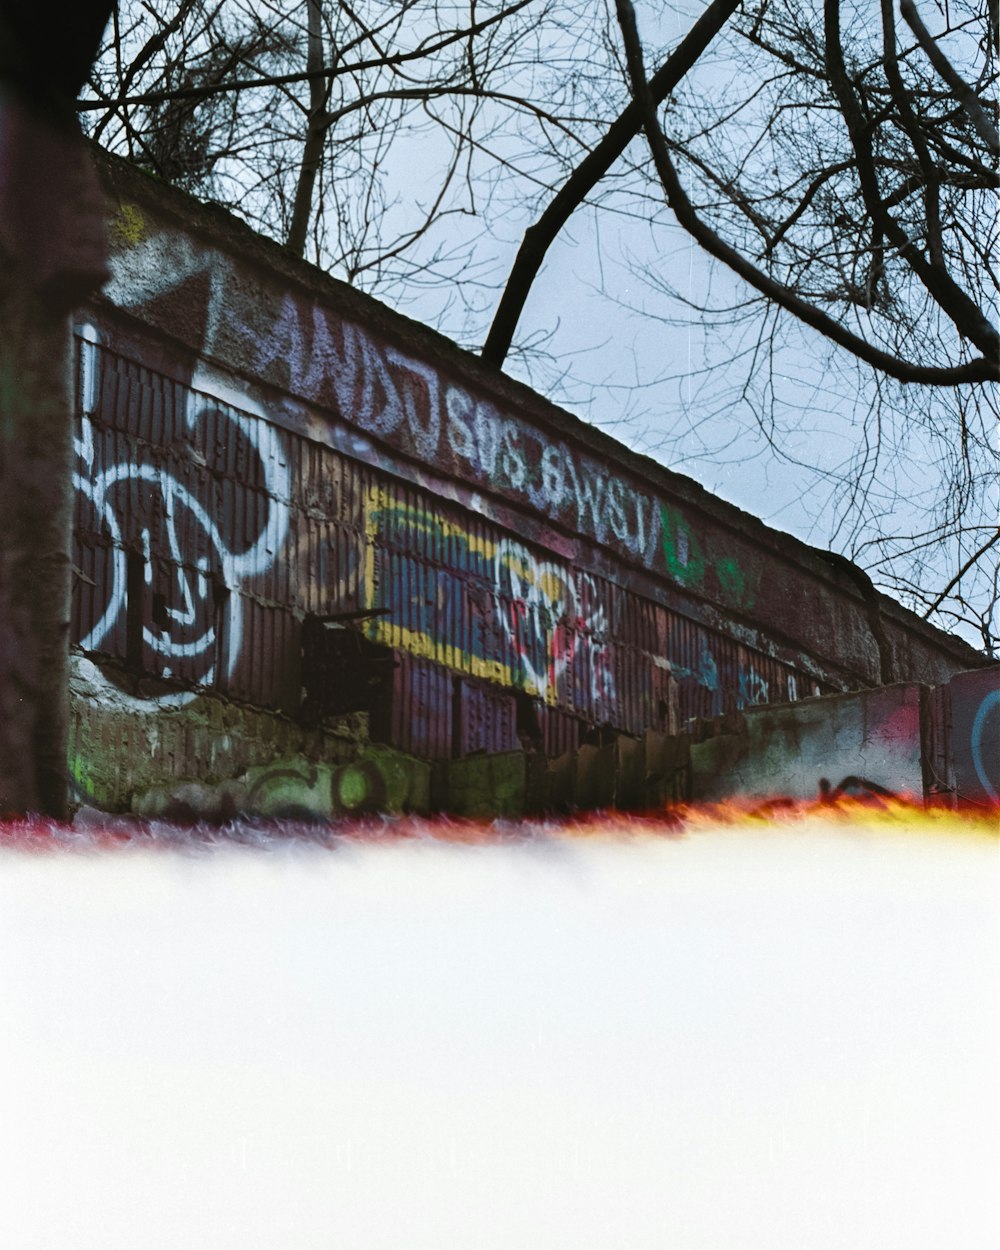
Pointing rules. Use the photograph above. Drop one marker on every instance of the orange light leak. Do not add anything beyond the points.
(882, 813)
(757, 1025)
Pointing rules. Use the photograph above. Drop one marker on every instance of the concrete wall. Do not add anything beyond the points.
(910, 740)
(212, 759)
(971, 712)
(907, 740)
(839, 741)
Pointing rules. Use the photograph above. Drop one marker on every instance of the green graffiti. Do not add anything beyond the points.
(734, 582)
(129, 226)
(681, 549)
(82, 773)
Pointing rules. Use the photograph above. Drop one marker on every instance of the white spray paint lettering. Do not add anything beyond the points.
(189, 630)
(551, 620)
(388, 393)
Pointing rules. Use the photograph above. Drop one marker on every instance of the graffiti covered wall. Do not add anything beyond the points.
(972, 708)
(258, 447)
(205, 536)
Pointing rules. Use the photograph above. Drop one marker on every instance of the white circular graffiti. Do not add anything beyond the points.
(190, 542)
(540, 611)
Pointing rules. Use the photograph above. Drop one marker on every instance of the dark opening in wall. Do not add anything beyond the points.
(457, 721)
(528, 728)
(342, 670)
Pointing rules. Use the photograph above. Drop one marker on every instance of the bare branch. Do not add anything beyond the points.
(968, 317)
(539, 237)
(962, 92)
(204, 90)
(791, 301)
(972, 560)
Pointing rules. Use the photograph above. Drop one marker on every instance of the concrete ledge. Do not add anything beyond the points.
(122, 745)
(204, 758)
(871, 736)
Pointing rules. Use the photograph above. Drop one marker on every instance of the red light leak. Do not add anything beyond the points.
(107, 831)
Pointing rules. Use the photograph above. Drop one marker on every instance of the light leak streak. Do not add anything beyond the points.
(751, 1034)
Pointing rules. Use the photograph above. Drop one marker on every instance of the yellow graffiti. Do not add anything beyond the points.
(129, 225)
(382, 507)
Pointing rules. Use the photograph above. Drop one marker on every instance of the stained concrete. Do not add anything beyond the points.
(789, 750)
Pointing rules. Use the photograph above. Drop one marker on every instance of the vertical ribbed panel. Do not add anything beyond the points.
(488, 719)
(421, 721)
(205, 535)
(560, 732)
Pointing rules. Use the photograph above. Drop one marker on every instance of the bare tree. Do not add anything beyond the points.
(849, 180)
(838, 158)
(302, 116)
(853, 189)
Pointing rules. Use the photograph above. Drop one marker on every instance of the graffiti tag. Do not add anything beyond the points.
(146, 509)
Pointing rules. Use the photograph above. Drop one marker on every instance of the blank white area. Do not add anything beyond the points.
(778, 1039)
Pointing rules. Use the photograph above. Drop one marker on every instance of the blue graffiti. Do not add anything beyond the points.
(979, 736)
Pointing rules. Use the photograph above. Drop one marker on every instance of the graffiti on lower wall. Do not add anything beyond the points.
(984, 744)
(294, 788)
(975, 735)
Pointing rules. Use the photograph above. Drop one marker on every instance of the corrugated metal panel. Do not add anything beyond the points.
(421, 719)
(241, 530)
(560, 732)
(488, 719)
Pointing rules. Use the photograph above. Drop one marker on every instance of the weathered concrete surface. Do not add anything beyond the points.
(483, 787)
(121, 747)
(212, 760)
(857, 741)
(666, 761)
(596, 769)
(293, 787)
(381, 780)
(632, 774)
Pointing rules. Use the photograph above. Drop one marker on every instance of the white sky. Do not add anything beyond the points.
(769, 1040)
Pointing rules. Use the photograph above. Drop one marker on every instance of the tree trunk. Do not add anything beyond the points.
(316, 127)
(35, 534)
(52, 256)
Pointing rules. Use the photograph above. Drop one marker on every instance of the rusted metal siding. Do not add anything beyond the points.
(206, 535)
(560, 732)
(487, 718)
(422, 707)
